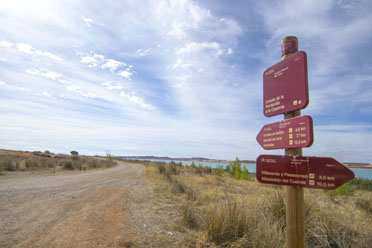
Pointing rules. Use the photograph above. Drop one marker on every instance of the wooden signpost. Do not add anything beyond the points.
(285, 91)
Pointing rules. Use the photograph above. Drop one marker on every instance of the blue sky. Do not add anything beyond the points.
(178, 78)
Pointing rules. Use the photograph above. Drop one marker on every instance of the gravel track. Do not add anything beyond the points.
(77, 209)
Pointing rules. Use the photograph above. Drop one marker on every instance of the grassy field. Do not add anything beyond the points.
(25, 161)
(223, 209)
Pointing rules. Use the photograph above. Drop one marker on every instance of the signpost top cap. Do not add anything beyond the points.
(289, 45)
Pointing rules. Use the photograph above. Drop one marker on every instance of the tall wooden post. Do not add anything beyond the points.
(295, 219)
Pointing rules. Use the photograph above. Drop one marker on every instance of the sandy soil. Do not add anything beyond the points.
(115, 207)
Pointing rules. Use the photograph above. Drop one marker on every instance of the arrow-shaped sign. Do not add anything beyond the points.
(291, 133)
(299, 171)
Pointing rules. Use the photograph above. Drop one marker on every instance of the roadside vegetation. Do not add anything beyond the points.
(22, 161)
(227, 207)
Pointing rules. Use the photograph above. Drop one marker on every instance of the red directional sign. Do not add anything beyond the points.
(299, 171)
(291, 133)
(285, 86)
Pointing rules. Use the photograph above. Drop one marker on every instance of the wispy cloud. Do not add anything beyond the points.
(27, 48)
(111, 86)
(5, 43)
(92, 59)
(47, 74)
(79, 90)
(87, 21)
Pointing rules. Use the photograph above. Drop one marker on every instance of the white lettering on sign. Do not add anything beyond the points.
(296, 175)
(269, 72)
(270, 173)
(280, 72)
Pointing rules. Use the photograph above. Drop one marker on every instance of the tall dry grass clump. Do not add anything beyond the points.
(221, 210)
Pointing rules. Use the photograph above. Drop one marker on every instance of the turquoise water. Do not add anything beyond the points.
(361, 173)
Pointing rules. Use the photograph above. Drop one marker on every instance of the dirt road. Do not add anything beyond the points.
(83, 209)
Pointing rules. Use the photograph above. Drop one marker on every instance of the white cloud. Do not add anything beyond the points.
(4, 43)
(144, 52)
(126, 74)
(3, 59)
(87, 21)
(46, 94)
(109, 85)
(194, 47)
(22, 89)
(64, 81)
(93, 59)
(48, 74)
(78, 89)
(2, 83)
(182, 20)
(140, 102)
(96, 60)
(181, 64)
(33, 72)
(51, 75)
(112, 64)
(27, 48)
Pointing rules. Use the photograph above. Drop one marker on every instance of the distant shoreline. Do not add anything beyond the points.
(358, 166)
(349, 165)
(186, 159)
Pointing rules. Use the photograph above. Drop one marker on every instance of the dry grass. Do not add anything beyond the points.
(22, 161)
(220, 211)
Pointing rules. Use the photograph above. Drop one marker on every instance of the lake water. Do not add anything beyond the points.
(361, 173)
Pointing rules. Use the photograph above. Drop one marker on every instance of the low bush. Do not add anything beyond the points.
(344, 190)
(68, 165)
(7, 164)
(361, 183)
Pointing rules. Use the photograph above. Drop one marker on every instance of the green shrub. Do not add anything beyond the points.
(192, 165)
(237, 168)
(361, 183)
(68, 165)
(344, 190)
(218, 170)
